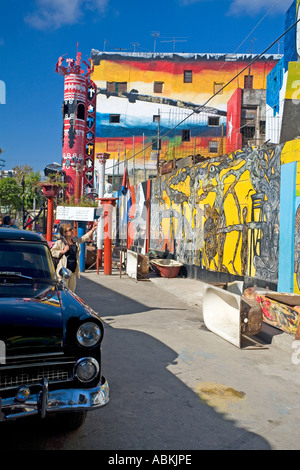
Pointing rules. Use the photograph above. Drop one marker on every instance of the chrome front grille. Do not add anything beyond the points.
(30, 375)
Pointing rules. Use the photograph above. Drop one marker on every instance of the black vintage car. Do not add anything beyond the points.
(50, 339)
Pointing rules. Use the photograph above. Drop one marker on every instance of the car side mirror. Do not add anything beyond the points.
(65, 273)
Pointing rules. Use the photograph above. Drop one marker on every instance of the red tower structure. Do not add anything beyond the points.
(79, 123)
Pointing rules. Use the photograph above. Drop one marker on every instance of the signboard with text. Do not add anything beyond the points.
(84, 214)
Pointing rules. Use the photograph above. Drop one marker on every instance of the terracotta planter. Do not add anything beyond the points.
(50, 189)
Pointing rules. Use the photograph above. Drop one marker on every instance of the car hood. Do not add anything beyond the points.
(30, 326)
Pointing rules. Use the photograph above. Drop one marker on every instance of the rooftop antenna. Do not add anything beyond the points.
(135, 44)
(252, 47)
(174, 40)
(251, 52)
(155, 34)
(112, 47)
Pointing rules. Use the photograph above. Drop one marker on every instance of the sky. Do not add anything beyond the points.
(35, 33)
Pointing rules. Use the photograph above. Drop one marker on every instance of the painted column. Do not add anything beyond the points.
(78, 183)
(78, 125)
(108, 204)
(49, 190)
(102, 157)
(81, 232)
(287, 227)
(74, 110)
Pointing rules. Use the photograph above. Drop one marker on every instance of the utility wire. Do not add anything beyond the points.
(266, 14)
(244, 40)
(197, 110)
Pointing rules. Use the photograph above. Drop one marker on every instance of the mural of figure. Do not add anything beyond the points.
(210, 234)
(244, 248)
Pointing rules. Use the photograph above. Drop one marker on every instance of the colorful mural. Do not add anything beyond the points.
(222, 214)
(238, 214)
(150, 103)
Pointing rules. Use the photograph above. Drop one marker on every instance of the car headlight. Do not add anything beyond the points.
(86, 369)
(88, 334)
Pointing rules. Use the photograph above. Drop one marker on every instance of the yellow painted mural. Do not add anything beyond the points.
(222, 214)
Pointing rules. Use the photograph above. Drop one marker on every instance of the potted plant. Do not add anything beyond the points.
(51, 185)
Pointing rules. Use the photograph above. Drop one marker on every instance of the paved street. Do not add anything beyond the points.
(174, 384)
(229, 398)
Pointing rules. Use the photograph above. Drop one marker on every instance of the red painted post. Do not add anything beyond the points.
(49, 219)
(78, 179)
(49, 190)
(108, 203)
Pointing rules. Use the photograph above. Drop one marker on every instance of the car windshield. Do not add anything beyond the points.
(25, 268)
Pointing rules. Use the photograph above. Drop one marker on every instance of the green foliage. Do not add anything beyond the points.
(12, 190)
(32, 190)
(21, 170)
(10, 194)
(84, 202)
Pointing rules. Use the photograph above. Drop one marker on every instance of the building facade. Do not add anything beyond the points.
(158, 108)
(283, 85)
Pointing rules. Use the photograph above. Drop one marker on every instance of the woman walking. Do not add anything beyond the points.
(67, 250)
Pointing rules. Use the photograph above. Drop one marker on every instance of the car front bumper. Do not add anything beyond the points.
(46, 401)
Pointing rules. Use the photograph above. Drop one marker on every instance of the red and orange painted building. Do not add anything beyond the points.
(171, 104)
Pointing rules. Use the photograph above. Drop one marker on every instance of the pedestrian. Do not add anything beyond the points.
(13, 223)
(29, 223)
(6, 222)
(67, 250)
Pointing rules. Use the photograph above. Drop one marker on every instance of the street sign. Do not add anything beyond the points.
(84, 214)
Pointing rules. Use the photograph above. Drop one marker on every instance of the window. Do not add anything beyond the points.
(217, 87)
(248, 132)
(187, 76)
(156, 118)
(213, 121)
(156, 144)
(248, 82)
(158, 87)
(114, 118)
(186, 135)
(262, 127)
(213, 146)
(118, 87)
(81, 111)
